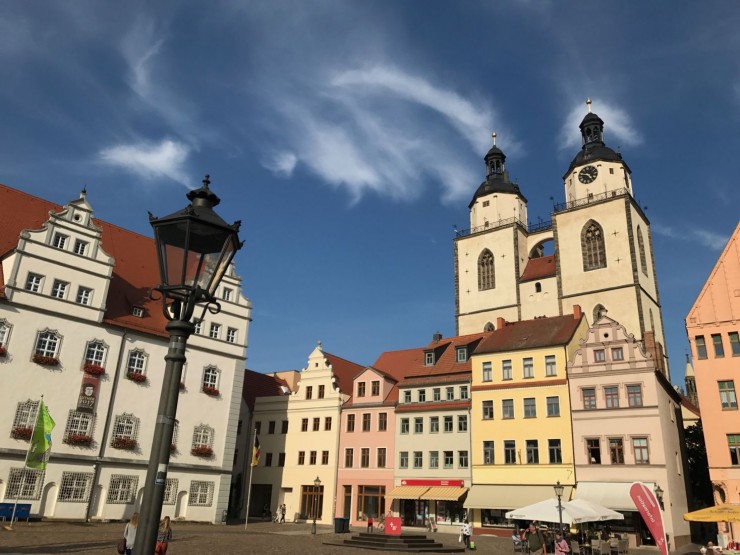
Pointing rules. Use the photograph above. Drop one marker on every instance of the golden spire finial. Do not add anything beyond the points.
(493, 135)
(588, 103)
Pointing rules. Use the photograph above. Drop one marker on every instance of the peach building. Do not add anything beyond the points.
(713, 325)
(366, 447)
(627, 427)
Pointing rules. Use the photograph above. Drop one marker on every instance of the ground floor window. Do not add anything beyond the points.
(494, 517)
(24, 483)
(312, 501)
(450, 512)
(370, 501)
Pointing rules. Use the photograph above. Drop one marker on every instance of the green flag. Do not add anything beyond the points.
(38, 454)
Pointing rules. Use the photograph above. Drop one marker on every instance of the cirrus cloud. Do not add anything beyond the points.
(148, 160)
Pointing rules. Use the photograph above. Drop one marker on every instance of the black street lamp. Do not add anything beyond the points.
(316, 489)
(559, 488)
(194, 247)
(659, 495)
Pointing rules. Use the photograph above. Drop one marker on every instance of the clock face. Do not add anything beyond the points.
(588, 174)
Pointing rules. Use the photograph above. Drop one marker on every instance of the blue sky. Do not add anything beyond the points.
(348, 137)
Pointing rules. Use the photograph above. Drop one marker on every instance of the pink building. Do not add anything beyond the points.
(366, 447)
(713, 324)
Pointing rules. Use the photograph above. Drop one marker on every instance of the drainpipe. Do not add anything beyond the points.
(104, 441)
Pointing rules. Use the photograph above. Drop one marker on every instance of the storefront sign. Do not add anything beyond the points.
(432, 483)
(393, 526)
(88, 393)
(649, 509)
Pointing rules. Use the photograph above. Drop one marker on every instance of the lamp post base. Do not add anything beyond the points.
(313, 528)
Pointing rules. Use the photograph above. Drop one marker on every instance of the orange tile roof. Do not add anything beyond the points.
(344, 370)
(260, 385)
(538, 268)
(136, 268)
(529, 334)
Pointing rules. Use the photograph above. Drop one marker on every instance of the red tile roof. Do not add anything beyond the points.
(344, 371)
(136, 268)
(538, 268)
(530, 334)
(260, 385)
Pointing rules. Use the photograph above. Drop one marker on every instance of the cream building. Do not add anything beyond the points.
(627, 428)
(602, 248)
(77, 326)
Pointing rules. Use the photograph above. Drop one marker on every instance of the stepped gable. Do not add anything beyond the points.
(257, 384)
(136, 269)
(539, 268)
(344, 371)
(530, 334)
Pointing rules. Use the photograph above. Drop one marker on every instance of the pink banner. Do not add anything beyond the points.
(646, 503)
(392, 526)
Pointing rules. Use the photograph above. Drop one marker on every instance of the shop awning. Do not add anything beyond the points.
(485, 496)
(407, 492)
(613, 495)
(442, 493)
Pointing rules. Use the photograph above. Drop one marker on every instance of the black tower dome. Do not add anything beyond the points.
(497, 178)
(592, 138)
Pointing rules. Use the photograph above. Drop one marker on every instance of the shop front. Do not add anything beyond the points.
(430, 503)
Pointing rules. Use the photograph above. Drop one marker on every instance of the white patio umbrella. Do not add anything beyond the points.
(573, 513)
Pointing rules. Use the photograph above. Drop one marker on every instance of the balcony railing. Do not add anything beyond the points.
(561, 207)
(531, 228)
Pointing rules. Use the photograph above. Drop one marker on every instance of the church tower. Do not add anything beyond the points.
(603, 250)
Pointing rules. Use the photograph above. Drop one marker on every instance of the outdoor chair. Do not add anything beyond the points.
(520, 546)
(575, 548)
(600, 547)
(623, 547)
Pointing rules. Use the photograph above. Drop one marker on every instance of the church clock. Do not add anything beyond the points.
(588, 174)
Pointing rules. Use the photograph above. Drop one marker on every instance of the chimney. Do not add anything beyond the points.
(500, 323)
(577, 312)
(437, 337)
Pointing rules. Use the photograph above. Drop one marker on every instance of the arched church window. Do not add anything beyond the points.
(489, 327)
(592, 246)
(641, 248)
(599, 311)
(538, 287)
(486, 271)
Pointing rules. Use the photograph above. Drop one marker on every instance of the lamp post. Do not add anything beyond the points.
(659, 496)
(316, 486)
(559, 488)
(194, 248)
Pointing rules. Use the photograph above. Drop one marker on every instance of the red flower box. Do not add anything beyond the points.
(3, 351)
(208, 390)
(124, 443)
(201, 451)
(94, 369)
(78, 439)
(136, 377)
(46, 361)
(22, 432)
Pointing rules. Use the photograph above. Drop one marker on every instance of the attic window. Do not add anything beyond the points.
(486, 203)
(462, 354)
(138, 312)
(429, 358)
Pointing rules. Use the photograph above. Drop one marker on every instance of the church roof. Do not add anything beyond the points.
(530, 334)
(496, 184)
(596, 150)
(538, 268)
(136, 269)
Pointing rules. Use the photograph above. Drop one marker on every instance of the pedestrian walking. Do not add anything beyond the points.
(283, 509)
(535, 540)
(129, 533)
(561, 546)
(465, 532)
(164, 536)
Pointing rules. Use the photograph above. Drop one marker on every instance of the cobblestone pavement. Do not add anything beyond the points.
(190, 538)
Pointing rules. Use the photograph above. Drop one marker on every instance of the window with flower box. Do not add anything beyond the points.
(210, 381)
(75, 487)
(170, 491)
(24, 483)
(4, 337)
(25, 420)
(125, 432)
(122, 489)
(202, 441)
(201, 493)
(95, 358)
(136, 365)
(47, 346)
(79, 428)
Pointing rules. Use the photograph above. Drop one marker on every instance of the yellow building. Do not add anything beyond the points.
(521, 436)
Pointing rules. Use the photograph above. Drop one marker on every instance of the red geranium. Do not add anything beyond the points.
(127, 443)
(136, 377)
(45, 360)
(78, 439)
(94, 369)
(210, 390)
(22, 432)
(201, 451)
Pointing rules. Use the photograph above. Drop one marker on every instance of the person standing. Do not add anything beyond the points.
(164, 536)
(283, 509)
(535, 540)
(465, 532)
(370, 524)
(561, 545)
(129, 533)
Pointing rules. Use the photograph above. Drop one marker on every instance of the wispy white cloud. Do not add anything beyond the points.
(282, 163)
(150, 161)
(693, 234)
(618, 127)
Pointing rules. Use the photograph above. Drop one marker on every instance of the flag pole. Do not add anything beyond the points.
(251, 471)
(25, 462)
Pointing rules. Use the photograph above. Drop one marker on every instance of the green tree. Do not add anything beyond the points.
(698, 471)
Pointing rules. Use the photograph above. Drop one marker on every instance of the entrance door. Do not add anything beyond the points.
(408, 510)
(261, 498)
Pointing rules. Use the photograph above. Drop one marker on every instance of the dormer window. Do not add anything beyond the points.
(60, 241)
(80, 247)
(138, 312)
(462, 354)
(429, 358)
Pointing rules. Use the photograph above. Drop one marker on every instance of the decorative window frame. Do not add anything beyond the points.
(210, 380)
(24, 421)
(5, 331)
(593, 246)
(94, 358)
(122, 489)
(125, 433)
(201, 493)
(79, 428)
(133, 367)
(202, 441)
(42, 354)
(170, 491)
(75, 487)
(25, 483)
(486, 270)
